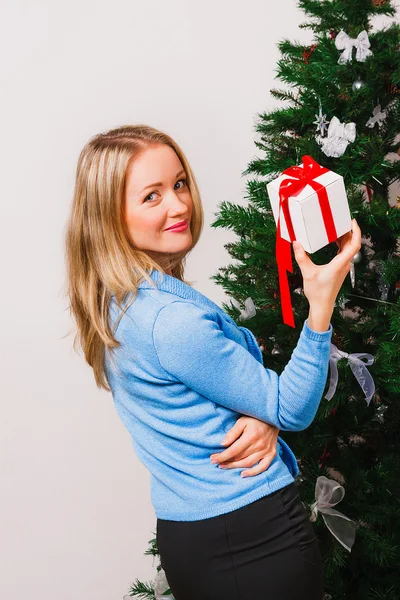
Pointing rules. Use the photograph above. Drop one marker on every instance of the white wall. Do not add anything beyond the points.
(75, 506)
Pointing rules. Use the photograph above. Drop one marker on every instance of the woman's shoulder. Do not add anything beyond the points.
(141, 315)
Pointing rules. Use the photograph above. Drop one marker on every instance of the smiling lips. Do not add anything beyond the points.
(179, 226)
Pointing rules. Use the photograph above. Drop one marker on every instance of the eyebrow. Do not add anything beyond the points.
(160, 182)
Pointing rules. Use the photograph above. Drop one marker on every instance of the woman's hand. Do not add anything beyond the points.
(256, 444)
(321, 283)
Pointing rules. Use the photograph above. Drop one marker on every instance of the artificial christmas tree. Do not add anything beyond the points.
(341, 107)
(348, 78)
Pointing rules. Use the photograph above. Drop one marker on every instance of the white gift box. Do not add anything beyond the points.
(306, 214)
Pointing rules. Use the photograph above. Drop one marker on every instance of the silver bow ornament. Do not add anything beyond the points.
(339, 137)
(249, 308)
(161, 586)
(346, 43)
(358, 367)
(328, 493)
(378, 116)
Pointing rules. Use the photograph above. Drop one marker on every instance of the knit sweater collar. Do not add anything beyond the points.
(176, 286)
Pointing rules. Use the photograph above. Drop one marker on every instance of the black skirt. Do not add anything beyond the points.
(266, 550)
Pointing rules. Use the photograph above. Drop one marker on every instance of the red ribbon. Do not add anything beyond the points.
(292, 187)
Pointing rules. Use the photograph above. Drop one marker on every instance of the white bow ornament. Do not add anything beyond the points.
(328, 493)
(378, 116)
(249, 308)
(161, 586)
(346, 43)
(358, 367)
(338, 138)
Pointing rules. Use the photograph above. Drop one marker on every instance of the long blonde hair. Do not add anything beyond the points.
(100, 257)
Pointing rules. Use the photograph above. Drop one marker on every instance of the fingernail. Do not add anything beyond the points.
(243, 475)
(222, 466)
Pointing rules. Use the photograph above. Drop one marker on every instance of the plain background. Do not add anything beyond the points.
(75, 508)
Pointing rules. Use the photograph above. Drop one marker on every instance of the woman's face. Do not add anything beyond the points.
(156, 197)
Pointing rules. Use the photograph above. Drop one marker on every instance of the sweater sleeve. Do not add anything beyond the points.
(193, 349)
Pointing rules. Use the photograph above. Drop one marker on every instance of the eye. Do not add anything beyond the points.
(184, 184)
(147, 197)
(184, 180)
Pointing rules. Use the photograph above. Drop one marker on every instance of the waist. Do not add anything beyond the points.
(265, 501)
(211, 491)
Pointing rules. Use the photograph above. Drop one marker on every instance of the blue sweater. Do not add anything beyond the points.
(184, 373)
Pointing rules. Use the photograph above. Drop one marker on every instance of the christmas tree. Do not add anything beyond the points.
(340, 105)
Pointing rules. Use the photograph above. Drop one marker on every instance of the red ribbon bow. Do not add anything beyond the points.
(292, 187)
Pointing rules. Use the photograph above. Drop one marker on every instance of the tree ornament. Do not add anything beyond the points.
(356, 440)
(378, 3)
(346, 43)
(307, 53)
(336, 475)
(369, 191)
(392, 89)
(328, 493)
(276, 349)
(380, 413)
(378, 117)
(342, 303)
(358, 367)
(249, 310)
(340, 135)
(355, 260)
(383, 289)
(357, 85)
(261, 343)
(161, 587)
(321, 122)
(383, 286)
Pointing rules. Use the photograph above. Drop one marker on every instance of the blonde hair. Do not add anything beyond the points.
(100, 257)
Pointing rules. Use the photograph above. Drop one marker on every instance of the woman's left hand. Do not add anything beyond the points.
(256, 444)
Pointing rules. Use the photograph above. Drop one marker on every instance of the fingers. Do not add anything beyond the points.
(252, 459)
(302, 258)
(351, 243)
(260, 468)
(244, 461)
(233, 451)
(235, 431)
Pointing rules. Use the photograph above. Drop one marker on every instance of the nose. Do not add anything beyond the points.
(176, 205)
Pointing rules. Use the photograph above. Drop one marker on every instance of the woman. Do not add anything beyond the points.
(181, 371)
